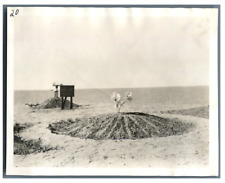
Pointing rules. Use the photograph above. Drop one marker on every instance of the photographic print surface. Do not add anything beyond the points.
(112, 91)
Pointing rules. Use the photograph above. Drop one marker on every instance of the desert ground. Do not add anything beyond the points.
(36, 146)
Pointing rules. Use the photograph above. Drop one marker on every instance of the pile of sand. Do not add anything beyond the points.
(55, 102)
(120, 126)
(202, 112)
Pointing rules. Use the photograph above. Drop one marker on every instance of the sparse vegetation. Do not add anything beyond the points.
(202, 112)
(24, 147)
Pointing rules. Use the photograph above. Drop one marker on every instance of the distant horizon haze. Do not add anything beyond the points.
(53, 88)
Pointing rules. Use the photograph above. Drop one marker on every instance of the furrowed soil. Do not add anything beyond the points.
(112, 126)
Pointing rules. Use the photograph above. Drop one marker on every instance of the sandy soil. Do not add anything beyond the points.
(187, 150)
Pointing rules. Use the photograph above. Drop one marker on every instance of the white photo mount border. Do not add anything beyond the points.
(8, 101)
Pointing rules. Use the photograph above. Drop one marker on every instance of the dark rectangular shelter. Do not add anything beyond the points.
(67, 91)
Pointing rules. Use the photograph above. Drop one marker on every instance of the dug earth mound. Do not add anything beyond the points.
(120, 126)
(52, 103)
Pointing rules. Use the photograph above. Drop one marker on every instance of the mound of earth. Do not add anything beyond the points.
(120, 126)
(55, 102)
(202, 112)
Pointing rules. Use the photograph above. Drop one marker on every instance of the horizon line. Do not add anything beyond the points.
(116, 88)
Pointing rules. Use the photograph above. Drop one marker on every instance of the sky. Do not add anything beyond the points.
(103, 48)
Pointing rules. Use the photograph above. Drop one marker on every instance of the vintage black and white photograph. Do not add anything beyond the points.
(112, 91)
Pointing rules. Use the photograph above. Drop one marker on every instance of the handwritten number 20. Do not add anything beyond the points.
(16, 13)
